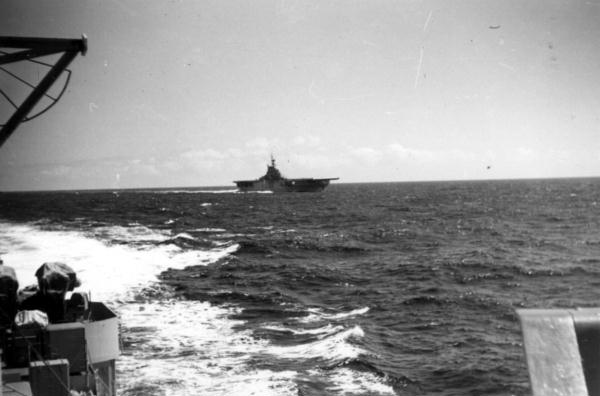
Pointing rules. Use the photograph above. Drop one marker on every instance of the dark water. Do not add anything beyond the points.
(399, 288)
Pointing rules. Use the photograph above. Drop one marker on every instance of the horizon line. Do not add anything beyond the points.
(107, 189)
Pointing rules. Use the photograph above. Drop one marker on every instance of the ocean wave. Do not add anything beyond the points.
(319, 331)
(351, 382)
(185, 191)
(190, 348)
(209, 230)
(332, 348)
(316, 314)
(253, 192)
(425, 300)
(125, 234)
(184, 235)
(186, 241)
(108, 270)
(282, 245)
(253, 247)
(193, 347)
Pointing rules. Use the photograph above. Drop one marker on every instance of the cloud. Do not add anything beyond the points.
(202, 160)
(307, 140)
(315, 161)
(367, 154)
(561, 155)
(139, 167)
(462, 155)
(261, 144)
(526, 153)
(234, 153)
(57, 171)
(209, 153)
(401, 152)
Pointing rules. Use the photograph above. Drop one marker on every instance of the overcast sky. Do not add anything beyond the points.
(199, 93)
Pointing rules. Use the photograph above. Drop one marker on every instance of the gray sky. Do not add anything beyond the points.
(199, 93)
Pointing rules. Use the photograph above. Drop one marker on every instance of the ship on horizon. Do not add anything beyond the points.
(275, 182)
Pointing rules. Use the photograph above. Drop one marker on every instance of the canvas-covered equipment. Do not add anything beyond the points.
(54, 281)
(56, 277)
(8, 295)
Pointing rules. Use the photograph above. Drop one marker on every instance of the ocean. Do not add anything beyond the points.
(364, 289)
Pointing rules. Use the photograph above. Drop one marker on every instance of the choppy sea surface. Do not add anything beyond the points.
(364, 289)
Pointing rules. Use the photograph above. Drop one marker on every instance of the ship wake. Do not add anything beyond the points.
(174, 346)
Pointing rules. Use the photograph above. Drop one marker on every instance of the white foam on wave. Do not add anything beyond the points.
(333, 347)
(110, 272)
(132, 233)
(228, 191)
(210, 230)
(191, 348)
(317, 314)
(184, 235)
(254, 192)
(349, 382)
(325, 330)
